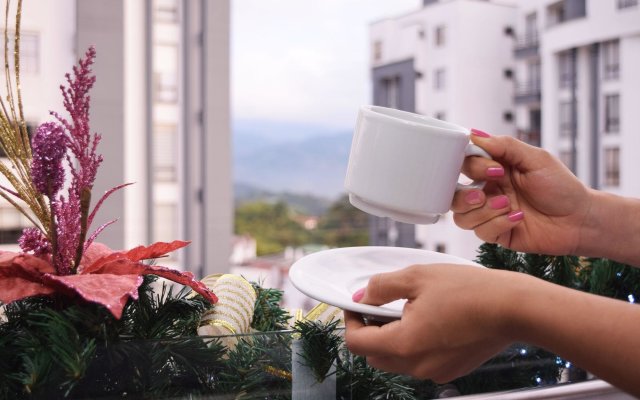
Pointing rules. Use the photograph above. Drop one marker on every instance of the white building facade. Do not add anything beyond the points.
(558, 74)
(585, 62)
(161, 103)
(451, 60)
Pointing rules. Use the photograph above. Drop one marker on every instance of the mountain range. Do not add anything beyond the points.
(293, 158)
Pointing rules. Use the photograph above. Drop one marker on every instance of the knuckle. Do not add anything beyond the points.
(462, 221)
(413, 273)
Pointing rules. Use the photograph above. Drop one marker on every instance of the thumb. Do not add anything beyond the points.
(506, 149)
(387, 287)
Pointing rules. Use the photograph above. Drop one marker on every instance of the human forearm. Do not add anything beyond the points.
(595, 333)
(611, 229)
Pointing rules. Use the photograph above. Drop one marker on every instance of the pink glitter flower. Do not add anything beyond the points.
(78, 267)
(33, 240)
(49, 146)
(77, 103)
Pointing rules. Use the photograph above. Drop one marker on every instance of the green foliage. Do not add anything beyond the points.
(343, 225)
(272, 225)
(320, 346)
(259, 366)
(517, 367)
(56, 347)
(358, 381)
(609, 278)
(268, 315)
(599, 276)
(557, 269)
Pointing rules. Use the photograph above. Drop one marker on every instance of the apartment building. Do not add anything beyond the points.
(451, 60)
(557, 74)
(579, 86)
(161, 102)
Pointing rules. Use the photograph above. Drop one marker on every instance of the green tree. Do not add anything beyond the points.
(343, 225)
(271, 224)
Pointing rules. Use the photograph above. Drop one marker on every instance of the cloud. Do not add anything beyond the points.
(304, 60)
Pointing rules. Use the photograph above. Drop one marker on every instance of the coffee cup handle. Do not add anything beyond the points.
(473, 150)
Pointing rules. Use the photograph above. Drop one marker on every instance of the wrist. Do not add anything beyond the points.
(610, 228)
(511, 316)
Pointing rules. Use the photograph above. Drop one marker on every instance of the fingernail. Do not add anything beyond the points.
(358, 295)
(495, 171)
(479, 133)
(515, 216)
(499, 202)
(473, 197)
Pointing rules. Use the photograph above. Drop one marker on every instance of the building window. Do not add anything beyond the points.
(566, 119)
(439, 79)
(12, 222)
(392, 92)
(611, 59)
(377, 50)
(556, 13)
(165, 138)
(166, 11)
(531, 28)
(29, 52)
(10, 235)
(627, 3)
(565, 69)
(165, 222)
(612, 166)
(565, 10)
(165, 66)
(534, 77)
(612, 113)
(440, 35)
(441, 248)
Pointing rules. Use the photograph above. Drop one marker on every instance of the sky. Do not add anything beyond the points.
(304, 61)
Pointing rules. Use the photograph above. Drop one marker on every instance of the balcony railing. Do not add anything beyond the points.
(526, 46)
(528, 93)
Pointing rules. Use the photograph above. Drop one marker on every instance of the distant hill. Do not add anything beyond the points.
(291, 159)
(305, 204)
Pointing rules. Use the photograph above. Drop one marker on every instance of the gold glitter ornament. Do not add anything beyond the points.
(233, 313)
(14, 138)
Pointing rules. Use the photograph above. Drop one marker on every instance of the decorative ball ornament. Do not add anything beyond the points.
(233, 312)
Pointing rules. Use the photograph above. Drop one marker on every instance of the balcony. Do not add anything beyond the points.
(564, 11)
(528, 93)
(526, 46)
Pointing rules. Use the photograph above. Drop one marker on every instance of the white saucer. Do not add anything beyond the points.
(332, 276)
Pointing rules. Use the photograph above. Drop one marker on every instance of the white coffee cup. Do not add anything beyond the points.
(406, 166)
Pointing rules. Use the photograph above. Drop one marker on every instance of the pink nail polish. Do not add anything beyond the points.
(499, 202)
(479, 133)
(515, 216)
(473, 197)
(358, 295)
(495, 171)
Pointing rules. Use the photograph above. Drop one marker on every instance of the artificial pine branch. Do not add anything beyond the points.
(320, 346)
(609, 278)
(268, 315)
(358, 381)
(258, 367)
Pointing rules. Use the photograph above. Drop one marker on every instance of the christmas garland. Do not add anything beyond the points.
(55, 348)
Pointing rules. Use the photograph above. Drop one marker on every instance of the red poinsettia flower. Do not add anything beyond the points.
(105, 276)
